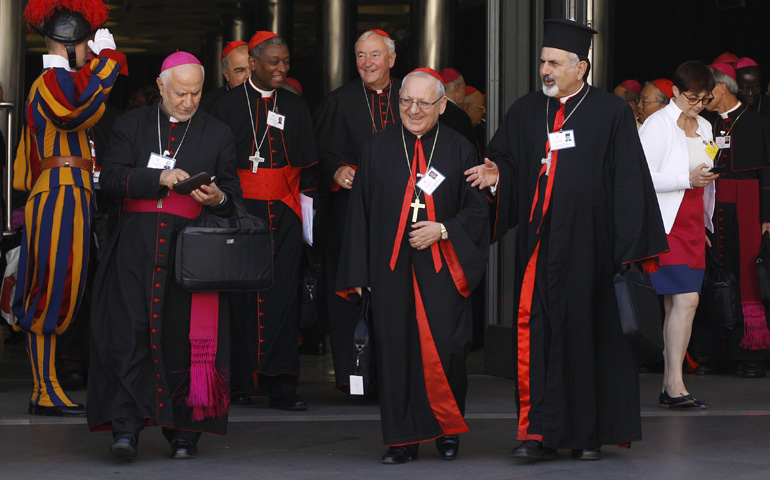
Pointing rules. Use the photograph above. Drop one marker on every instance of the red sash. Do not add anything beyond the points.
(281, 184)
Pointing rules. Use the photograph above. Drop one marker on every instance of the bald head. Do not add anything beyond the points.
(474, 107)
(180, 88)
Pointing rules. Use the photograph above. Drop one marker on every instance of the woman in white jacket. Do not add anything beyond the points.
(679, 149)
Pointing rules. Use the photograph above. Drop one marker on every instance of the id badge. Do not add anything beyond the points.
(562, 139)
(356, 385)
(161, 162)
(430, 181)
(712, 149)
(724, 141)
(276, 120)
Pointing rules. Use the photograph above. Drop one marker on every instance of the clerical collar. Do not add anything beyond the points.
(426, 134)
(56, 61)
(727, 113)
(170, 118)
(564, 100)
(381, 90)
(264, 93)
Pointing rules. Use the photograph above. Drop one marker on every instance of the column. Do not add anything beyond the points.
(276, 16)
(337, 42)
(434, 26)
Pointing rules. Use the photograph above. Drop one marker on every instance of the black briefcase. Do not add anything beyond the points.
(639, 309)
(719, 305)
(218, 254)
(364, 361)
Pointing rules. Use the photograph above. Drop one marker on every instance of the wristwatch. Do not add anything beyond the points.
(444, 234)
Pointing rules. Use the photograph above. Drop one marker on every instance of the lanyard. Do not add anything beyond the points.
(160, 148)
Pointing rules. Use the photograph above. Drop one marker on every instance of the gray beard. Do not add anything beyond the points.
(551, 91)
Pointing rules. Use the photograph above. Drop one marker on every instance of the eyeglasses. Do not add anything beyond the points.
(408, 102)
(644, 100)
(472, 105)
(694, 99)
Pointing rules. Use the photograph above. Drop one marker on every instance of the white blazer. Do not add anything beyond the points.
(665, 146)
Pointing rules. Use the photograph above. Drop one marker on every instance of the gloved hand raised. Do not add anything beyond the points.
(102, 39)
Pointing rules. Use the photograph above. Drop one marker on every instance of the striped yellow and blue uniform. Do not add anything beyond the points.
(61, 108)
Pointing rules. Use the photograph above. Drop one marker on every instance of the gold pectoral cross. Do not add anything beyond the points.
(416, 206)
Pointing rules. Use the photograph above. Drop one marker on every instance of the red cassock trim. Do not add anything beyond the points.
(523, 347)
(440, 396)
(408, 196)
(455, 269)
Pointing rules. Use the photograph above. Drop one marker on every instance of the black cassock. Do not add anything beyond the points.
(140, 324)
(267, 321)
(577, 377)
(344, 121)
(422, 323)
(456, 118)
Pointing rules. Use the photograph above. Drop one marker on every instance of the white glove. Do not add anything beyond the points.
(102, 39)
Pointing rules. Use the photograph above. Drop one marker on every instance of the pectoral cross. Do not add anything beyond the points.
(547, 161)
(416, 206)
(255, 161)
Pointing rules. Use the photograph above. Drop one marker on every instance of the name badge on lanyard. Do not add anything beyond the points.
(160, 161)
(276, 120)
(562, 139)
(723, 141)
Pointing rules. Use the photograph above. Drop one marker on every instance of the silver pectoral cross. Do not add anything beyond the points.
(416, 206)
(547, 161)
(255, 160)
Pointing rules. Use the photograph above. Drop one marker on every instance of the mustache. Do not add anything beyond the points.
(548, 78)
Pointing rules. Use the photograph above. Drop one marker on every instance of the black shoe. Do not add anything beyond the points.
(534, 450)
(448, 446)
(239, 398)
(124, 446)
(72, 379)
(401, 454)
(291, 403)
(78, 410)
(183, 449)
(753, 369)
(587, 453)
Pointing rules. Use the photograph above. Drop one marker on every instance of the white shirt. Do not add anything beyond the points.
(665, 146)
(56, 61)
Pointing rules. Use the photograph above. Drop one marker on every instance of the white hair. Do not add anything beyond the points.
(728, 81)
(440, 90)
(388, 41)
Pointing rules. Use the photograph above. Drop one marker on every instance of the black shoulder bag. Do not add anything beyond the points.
(639, 308)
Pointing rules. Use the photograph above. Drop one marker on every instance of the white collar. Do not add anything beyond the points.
(56, 61)
(725, 115)
(563, 100)
(264, 93)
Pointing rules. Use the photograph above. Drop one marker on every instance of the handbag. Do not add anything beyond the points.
(639, 308)
(225, 254)
(719, 305)
(763, 269)
(364, 362)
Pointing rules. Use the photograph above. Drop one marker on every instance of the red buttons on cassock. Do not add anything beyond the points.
(154, 315)
(160, 405)
(162, 240)
(162, 224)
(158, 269)
(173, 139)
(154, 346)
(159, 375)
(156, 361)
(160, 389)
(154, 331)
(157, 285)
(156, 300)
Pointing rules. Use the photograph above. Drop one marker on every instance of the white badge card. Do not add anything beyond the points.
(276, 120)
(562, 140)
(430, 181)
(723, 141)
(356, 385)
(159, 161)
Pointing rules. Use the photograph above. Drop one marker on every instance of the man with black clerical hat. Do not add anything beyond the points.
(568, 168)
(417, 235)
(275, 144)
(347, 117)
(159, 353)
(54, 162)
(235, 68)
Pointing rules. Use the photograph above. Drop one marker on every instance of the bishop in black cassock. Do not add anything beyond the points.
(140, 362)
(347, 117)
(421, 254)
(583, 211)
(274, 140)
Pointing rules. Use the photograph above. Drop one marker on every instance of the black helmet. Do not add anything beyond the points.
(65, 27)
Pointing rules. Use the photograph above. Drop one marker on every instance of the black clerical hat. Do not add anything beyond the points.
(568, 35)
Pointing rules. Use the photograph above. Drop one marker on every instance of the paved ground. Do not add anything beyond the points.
(339, 438)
